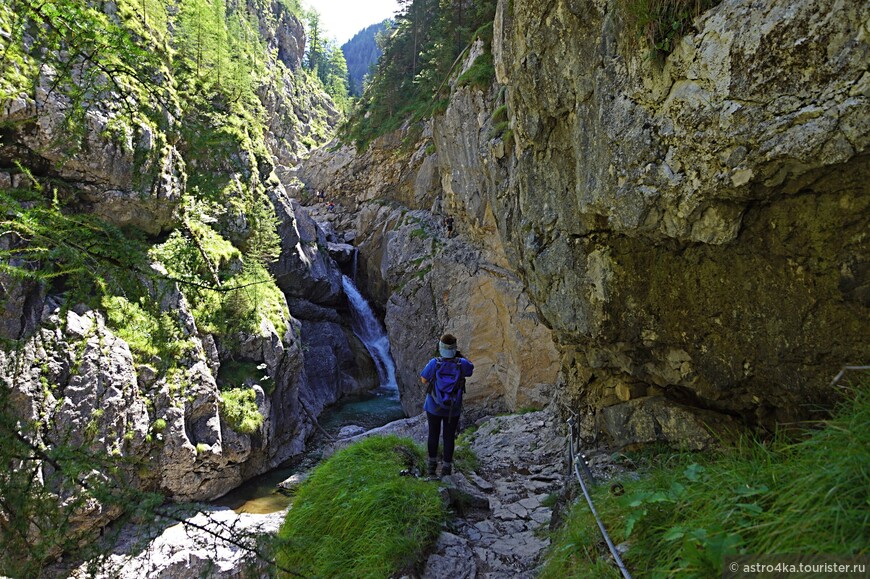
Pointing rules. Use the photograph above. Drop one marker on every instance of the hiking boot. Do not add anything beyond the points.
(433, 467)
(447, 469)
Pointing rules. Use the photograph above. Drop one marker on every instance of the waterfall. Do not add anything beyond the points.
(369, 330)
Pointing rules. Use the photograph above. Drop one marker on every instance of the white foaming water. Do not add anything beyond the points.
(369, 330)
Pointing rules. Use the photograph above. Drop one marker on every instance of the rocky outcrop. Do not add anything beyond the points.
(304, 268)
(282, 32)
(378, 173)
(123, 171)
(337, 364)
(697, 227)
(213, 543)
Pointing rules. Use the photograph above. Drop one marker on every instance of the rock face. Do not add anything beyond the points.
(427, 283)
(304, 268)
(213, 543)
(692, 232)
(130, 178)
(698, 227)
(72, 377)
(438, 285)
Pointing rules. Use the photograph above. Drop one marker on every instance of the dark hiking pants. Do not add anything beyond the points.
(450, 426)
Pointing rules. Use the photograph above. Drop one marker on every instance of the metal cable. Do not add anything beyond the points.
(604, 534)
(845, 369)
(574, 460)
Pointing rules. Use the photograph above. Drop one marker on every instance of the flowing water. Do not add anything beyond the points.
(261, 495)
(370, 331)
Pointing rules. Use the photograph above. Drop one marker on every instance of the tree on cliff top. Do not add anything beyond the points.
(419, 53)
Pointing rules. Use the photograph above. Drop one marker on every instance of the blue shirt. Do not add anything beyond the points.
(428, 374)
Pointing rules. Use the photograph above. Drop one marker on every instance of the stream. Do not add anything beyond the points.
(261, 495)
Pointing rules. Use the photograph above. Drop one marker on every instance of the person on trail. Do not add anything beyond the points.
(448, 224)
(445, 379)
(330, 206)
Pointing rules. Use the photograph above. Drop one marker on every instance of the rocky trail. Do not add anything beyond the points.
(501, 513)
(501, 527)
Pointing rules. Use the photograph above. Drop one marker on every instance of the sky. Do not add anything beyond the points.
(344, 18)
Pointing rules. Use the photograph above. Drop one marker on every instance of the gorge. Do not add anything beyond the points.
(672, 248)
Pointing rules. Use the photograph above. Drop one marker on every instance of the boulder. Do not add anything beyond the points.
(304, 268)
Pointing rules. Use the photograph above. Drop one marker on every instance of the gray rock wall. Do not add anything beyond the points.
(697, 227)
(691, 232)
(75, 381)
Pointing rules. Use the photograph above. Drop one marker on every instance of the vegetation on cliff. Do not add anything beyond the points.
(690, 510)
(659, 24)
(362, 52)
(110, 110)
(409, 82)
(357, 516)
(188, 77)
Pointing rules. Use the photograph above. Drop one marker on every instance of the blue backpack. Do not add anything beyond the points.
(449, 383)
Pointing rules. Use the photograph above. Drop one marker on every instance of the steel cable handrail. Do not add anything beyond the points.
(575, 460)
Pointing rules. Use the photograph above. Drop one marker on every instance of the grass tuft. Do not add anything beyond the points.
(691, 510)
(239, 408)
(356, 516)
(659, 24)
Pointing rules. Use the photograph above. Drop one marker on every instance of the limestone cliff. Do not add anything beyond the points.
(139, 374)
(693, 232)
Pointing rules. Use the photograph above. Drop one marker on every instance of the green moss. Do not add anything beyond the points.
(238, 408)
(356, 516)
(150, 335)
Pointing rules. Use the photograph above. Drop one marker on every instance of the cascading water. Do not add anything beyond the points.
(369, 330)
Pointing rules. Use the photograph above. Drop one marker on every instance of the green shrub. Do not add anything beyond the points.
(150, 335)
(356, 516)
(223, 311)
(238, 407)
(689, 511)
(659, 24)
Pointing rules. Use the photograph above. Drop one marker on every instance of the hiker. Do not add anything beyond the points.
(448, 223)
(445, 379)
(330, 206)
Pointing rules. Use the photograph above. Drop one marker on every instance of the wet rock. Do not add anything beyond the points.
(351, 430)
(304, 269)
(294, 482)
(214, 543)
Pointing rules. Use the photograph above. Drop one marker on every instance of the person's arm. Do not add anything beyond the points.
(428, 371)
